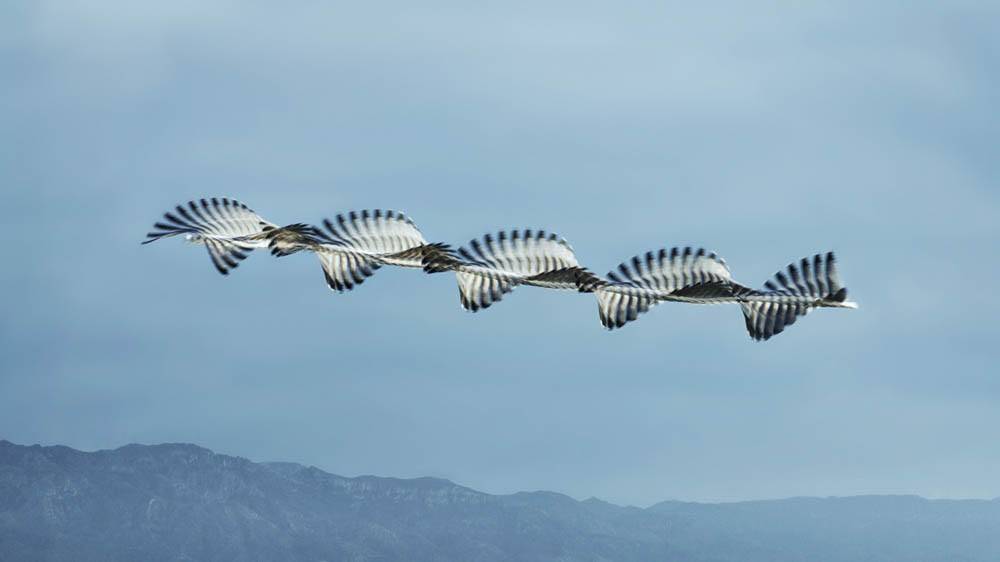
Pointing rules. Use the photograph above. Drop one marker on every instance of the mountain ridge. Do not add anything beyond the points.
(180, 501)
(196, 447)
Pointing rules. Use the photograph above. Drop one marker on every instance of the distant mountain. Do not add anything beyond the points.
(182, 502)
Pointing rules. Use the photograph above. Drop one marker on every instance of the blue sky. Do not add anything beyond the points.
(765, 133)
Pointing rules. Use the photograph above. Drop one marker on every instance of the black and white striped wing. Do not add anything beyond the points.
(343, 267)
(526, 254)
(815, 278)
(229, 229)
(694, 275)
(480, 289)
(490, 267)
(345, 270)
(674, 272)
(765, 319)
(386, 234)
(792, 293)
(619, 305)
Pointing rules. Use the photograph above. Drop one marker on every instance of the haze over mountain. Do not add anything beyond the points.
(183, 502)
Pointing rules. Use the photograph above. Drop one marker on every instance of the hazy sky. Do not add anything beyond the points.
(765, 132)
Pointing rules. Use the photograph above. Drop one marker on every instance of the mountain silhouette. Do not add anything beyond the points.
(183, 502)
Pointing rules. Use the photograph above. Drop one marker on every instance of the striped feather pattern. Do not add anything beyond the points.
(619, 305)
(229, 229)
(765, 319)
(479, 290)
(346, 270)
(490, 267)
(377, 233)
(793, 292)
(816, 278)
(520, 253)
(680, 274)
(668, 271)
(352, 246)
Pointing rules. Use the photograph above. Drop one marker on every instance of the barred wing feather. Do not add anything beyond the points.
(816, 278)
(479, 290)
(352, 246)
(521, 253)
(618, 306)
(229, 229)
(793, 292)
(490, 267)
(680, 274)
(388, 234)
(668, 271)
(346, 270)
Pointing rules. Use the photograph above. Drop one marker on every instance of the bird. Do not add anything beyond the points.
(353, 246)
(490, 267)
(227, 228)
(698, 276)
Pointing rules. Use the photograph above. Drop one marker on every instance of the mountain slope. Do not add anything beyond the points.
(182, 502)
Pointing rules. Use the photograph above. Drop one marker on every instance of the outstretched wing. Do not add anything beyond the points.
(385, 234)
(694, 275)
(525, 254)
(490, 267)
(479, 290)
(792, 293)
(619, 305)
(765, 319)
(229, 229)
(218, 218)
(343, 267)
(346, 270)
(814, 277)
(674, 271)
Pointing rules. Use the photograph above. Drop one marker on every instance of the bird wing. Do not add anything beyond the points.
(487, 268)
(518, 253)
(693, 275)
(793, 292)
(378, 233)
(672, 271)
(229, 229)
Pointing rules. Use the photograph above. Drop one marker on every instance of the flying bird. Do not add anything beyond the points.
(228, 229)
(352, 246)
(490, 267)
(698, 276)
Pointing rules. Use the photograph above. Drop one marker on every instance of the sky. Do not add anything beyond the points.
(765, 133)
